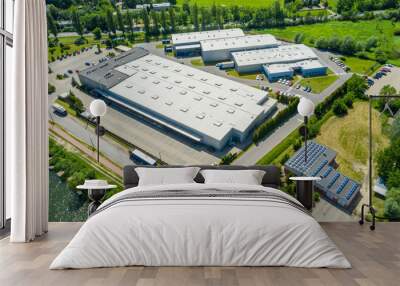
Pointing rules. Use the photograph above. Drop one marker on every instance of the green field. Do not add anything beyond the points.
(348, 136)
(320, 83)
(361, 66)
(69, 41)
(360, 31)
(254, 3)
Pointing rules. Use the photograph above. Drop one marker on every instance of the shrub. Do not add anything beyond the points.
(339, 108)
(60, 76)
(297, 145)
(80, 41)
(284, 159)
(348, 100)
(51, 88)
(228, 158)
(316, 197)
(396, 32)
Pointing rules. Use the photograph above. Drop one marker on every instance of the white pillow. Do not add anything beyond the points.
(247, 177)
(166, 176)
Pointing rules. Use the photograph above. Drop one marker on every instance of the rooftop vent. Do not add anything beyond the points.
(143, 77)
(128, 86)
(164, 76)
(204, 79)
(198, 98)
(183, 92)
(145, 69)
(169, 87)
(155, 97)
(191, 86)
(190, 74)
(238, 104)
(178, 81)
(169, 103)
(218, 123)
(221, 97)
(200, 116)
(141, 91)
(231, 111)
(156, 82)
(214, 104)
(233, 89)
(206, 92)
(153, 72)
(184, 109)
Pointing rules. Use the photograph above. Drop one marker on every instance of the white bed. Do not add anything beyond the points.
(185, 230)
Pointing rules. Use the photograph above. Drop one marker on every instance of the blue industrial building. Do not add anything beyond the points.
(334, 186)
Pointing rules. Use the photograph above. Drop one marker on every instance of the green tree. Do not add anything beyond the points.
(52, 25)
(299, 38)
(348, 46)
(164, 24)
(172, 20)
(357, 85)
(97, 33)
(129, 23)
(392, 204)
(372, 42)
(339, 108)
(76, 21)
(120, 22)
(156, 26)
(322, 43)
(146, 24)
(380, 56)
(195, 17)
(387, 90)
(110, 22)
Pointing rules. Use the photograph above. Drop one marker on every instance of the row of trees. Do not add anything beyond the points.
(351, 6)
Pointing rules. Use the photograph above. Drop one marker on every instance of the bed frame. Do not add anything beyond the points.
(272, 177)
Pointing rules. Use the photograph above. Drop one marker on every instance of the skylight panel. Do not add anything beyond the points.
(153, 72)
(230, 111)
(217, 123)
(128, 85)
(200, 115)
(141, 91)
(143, 77)
(198, 98)
(191, 86)
(218, 84)
(145, 69)
(169, 87)
(155, 97)
(165, 76)
(214, 104)
(156, 81)
(183, 92)
(178, 81)
(184, 109)
(221, 97)
(239, 104)
(233, 89)
(169, 103)
(206, 92)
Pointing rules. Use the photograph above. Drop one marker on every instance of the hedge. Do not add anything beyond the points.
(265, 128)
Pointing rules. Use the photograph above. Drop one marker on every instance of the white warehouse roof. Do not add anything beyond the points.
(305, 65)
(281, 54)
(205, 105)
(242, 42)
(196, 37)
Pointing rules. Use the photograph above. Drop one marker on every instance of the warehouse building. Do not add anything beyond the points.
(206, 108)
(220, 49)
(253, 61)
(189, 43)
(334, 186)
(305, 68)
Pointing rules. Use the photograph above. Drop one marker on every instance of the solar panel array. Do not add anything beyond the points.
(334, 185)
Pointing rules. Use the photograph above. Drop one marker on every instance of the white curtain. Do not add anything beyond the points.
(26, 123)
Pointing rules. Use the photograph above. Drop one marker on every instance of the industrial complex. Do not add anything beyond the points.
(334, 186)
(250, 54)
(206, 108)
(186, 44)
(221, 49)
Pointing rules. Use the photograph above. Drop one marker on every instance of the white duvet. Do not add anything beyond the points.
(202, 232)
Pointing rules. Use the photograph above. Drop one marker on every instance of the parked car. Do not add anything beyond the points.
(70, 72)
(298, 86)
(58, 109)
(87, 63)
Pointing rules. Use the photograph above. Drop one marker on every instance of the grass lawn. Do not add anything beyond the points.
(361, 66)
(197, 62)
(320, 83)
(234, 73)
(254, 3)
(314, 12)
(69, 41)
(360, 31)
(348, 136)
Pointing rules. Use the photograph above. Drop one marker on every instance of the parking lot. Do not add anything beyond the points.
(152, 139)
(391, 78)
